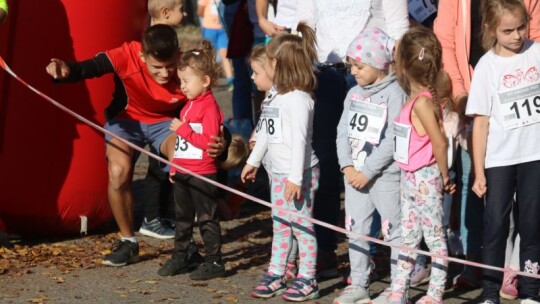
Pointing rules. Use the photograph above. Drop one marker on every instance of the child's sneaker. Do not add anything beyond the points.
(509, 288)
(529, 301)
(173, 267)
(352, 294)
(469, 278)
(302, 289)
(207, 271)
(420, 275)
(428, 300)
(290, 270)
(382, 298)
(269, 286)
(397, 297)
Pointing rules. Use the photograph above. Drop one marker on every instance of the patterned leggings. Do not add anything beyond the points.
(285, 225)
(421, 216)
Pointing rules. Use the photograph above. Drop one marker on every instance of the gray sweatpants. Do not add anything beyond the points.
(359, 208)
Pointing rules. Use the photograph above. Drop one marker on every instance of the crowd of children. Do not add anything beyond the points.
(403, 143)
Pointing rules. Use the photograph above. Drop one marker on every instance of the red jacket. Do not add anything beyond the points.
(202, 110)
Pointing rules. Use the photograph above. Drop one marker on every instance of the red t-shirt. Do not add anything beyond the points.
(147, 100)
(205, 111)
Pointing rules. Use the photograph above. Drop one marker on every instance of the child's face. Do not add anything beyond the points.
(177, 14)
(365, 74)
(191, 83)
(161, 71)
(259, 76)
(510, 33)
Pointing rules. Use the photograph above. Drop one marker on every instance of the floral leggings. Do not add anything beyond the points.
(421, 216)
(286, 225)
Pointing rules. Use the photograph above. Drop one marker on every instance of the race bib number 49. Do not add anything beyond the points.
(184, 149)
(402, 139)
(270, 121)
(366, 121)
(520, 107)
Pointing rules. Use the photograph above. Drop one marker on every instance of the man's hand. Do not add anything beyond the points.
(58, 69)
(217, 147)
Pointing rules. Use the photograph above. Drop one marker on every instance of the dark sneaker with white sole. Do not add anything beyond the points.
(156, 228)
(207, 271)
(123, 252)
(174, 267)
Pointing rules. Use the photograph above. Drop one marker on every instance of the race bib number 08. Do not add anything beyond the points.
(270, 120)
(520, 107)
(366, 121)
(184, 149)
(402, 138)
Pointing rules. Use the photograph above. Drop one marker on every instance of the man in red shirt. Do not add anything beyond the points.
(149, 91)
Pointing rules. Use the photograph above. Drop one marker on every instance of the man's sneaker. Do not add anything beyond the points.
(509, 288)
(469, 278)
(327, 265)
(353, 294)
(157, 229)
(123, 252)
(269, 286)
(529, 301)
(173, 267)
(382, 297)
(207, 271)
(429, 300)
(194, 258)
(290, 270)
(302, 289)
(420, 275)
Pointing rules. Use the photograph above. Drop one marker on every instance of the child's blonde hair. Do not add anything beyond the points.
(419, 58)
(201, 60)
(155, 6)
(443, 86)
(258, 54)
(295, 56)
(237, 153)
(492, 10)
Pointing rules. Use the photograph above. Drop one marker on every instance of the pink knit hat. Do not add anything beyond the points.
(372, 47)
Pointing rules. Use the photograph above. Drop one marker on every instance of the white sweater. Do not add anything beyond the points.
(338, 22)
(294, 154)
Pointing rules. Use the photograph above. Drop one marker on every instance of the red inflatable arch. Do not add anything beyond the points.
(52, 167)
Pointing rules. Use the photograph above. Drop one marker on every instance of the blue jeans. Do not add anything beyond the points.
(472, 209)
(332, 89)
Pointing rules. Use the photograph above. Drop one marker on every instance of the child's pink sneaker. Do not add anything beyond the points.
(509, 288)
(427, 299)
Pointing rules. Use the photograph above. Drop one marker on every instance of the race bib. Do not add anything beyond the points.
(366, 121)
(271, 122)
(520, 107)
(402, 138)
(420, 10)
(184, 149)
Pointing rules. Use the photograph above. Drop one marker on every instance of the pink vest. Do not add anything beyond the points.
(420, 148)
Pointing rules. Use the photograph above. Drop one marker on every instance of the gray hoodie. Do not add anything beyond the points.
(374, 160)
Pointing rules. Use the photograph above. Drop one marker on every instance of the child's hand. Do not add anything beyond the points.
(248, 173)
(292, 191)
(479, 186)
(171, 177)
(449, 186)
(218, 145)
(58, 69)
(356, 179)
(175, 124)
